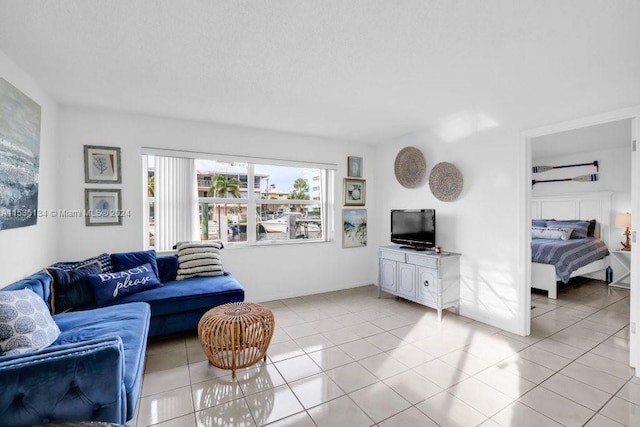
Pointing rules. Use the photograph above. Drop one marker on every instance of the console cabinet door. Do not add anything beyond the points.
(406, 280)
(388, 274)
(428, 285)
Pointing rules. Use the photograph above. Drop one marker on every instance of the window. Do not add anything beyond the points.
(286, 203)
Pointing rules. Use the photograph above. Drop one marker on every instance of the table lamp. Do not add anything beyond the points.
(624, 221)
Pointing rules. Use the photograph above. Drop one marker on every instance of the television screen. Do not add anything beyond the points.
(414, 227)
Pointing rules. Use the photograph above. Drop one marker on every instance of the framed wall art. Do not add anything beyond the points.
(354, 192)
(102, 165)
(20, 119)
(354, 228)
(354, 167)
(103, 206)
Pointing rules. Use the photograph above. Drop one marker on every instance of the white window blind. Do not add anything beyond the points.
(176, 188)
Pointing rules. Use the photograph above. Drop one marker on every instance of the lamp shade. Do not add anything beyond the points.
(623, 220)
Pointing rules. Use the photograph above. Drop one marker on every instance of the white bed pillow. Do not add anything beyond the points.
(551, 233)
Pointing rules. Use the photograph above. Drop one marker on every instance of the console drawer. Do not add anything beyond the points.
(392, 255)
(422, 261)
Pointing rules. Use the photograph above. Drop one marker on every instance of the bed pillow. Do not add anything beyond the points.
(25, 322)
(199, 258)
(105, 263)
(127, 260)
(70, 288)
(538, 222)
(591, 231)
(109, 287)
(580, 228)
(551, 233)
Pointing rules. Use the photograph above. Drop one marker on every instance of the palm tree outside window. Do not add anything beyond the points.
(277, 192)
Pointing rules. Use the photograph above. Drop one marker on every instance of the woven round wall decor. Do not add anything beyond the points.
(410, 167)
(445, 181)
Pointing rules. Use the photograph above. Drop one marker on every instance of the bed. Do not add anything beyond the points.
(580, 256)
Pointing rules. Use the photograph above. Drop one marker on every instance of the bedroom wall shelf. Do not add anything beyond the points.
(624, 260)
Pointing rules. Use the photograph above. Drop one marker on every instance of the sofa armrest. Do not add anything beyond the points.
(73, 382)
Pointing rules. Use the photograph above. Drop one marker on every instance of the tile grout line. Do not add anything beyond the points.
(406, 310)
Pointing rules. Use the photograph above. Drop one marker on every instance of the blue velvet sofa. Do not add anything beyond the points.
(94, 370)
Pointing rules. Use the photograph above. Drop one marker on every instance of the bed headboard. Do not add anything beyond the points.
(586, 206)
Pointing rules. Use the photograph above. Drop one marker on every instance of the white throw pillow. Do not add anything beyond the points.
(199, 258)
(551, 233)
(25, 322)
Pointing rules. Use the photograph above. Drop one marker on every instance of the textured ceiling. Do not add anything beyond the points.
(366, 70)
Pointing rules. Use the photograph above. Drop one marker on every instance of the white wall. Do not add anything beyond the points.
(266, 272)
(27, 249)
(481, 225)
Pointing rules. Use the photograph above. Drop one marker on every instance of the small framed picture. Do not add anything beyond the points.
(354, 168)
(354, 192)
(354, 228)
(102, 164)
(102, 206)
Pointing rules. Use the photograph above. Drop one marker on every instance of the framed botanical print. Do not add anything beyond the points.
(103, 206)
(354, 192)
(102, 165)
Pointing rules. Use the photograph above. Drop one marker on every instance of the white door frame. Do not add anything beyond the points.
(632, 113)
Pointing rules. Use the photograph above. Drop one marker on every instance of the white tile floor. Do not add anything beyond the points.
(348, 358)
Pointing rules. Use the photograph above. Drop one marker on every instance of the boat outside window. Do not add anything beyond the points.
(285, 204)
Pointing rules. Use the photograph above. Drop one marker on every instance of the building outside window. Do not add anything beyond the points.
(285, 203)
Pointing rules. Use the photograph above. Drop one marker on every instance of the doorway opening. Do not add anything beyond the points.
(609, 137)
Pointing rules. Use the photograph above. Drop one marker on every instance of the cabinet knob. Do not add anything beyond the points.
(426, 283)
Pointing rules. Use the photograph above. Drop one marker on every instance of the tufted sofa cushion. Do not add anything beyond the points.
(27, 385)
(130, 322)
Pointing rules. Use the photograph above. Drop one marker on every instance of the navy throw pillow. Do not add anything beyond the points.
(71, 288)
(167, 267)
(105, 263)
(109, 287)
(126, 260)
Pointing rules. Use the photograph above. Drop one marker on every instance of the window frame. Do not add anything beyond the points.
(254, 199)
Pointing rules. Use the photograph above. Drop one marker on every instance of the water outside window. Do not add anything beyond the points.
(286, 202)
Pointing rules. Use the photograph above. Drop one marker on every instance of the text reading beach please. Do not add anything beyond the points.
(127, 281)
(110, 286)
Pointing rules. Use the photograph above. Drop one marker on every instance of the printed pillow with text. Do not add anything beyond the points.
(109, 287)
(551, 233)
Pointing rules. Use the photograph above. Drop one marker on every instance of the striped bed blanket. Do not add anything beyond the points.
(567, 255)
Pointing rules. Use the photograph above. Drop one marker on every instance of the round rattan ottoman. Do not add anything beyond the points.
(236, 335)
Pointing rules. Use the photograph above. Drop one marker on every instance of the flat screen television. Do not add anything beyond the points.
(415, 228)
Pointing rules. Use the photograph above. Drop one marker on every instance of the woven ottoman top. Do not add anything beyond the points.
(238, 309)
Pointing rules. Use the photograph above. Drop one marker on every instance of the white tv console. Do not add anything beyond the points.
(421, 276)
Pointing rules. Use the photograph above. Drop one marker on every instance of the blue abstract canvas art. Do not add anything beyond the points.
(19, 157)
